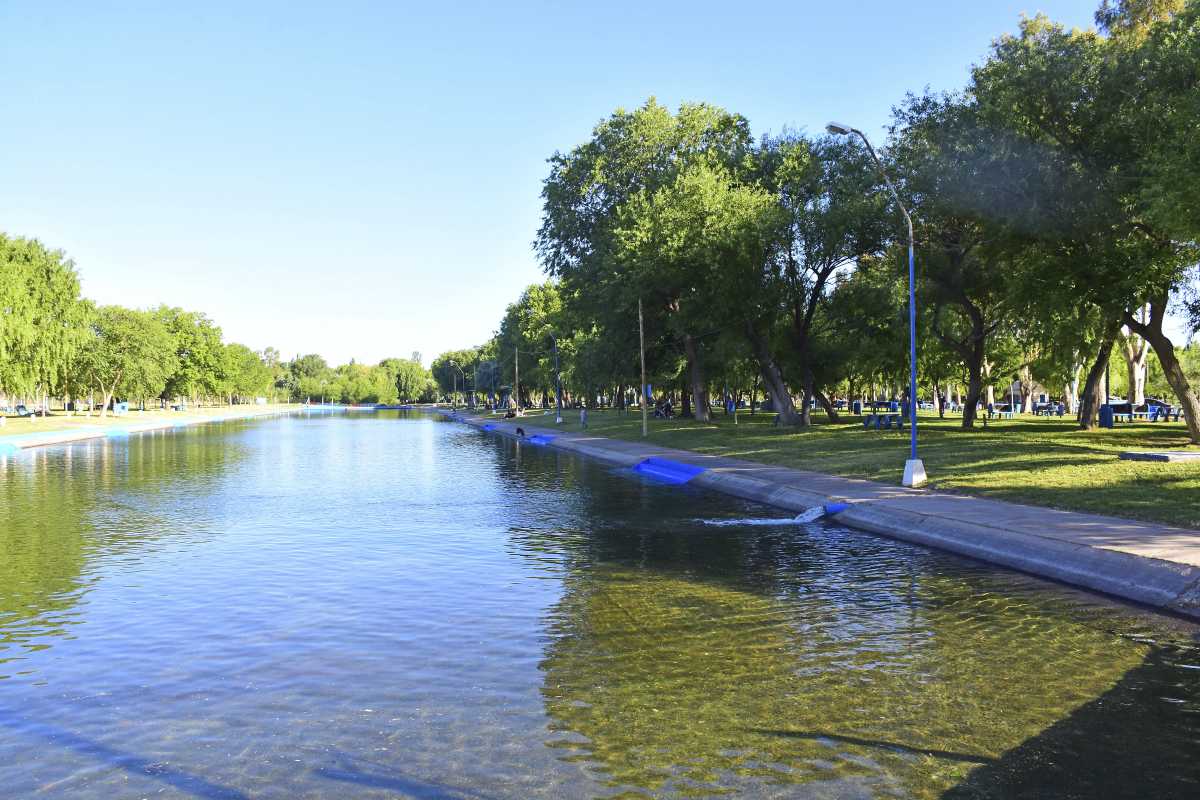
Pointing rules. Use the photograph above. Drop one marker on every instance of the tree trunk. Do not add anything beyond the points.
(699, 388)
(1073, 388)
(826, 404)
(1152, 332)
(974, 390)
(1135, 350)
(1089, 406)
(806, 399)
(772, 379)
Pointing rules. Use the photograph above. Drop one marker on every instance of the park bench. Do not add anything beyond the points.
(883, 422)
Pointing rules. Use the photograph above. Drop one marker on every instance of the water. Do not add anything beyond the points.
(387, 605)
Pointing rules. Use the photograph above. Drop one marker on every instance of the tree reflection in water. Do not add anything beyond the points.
(65, 510)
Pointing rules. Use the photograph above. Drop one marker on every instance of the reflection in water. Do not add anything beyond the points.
(64, 508)
(384, 605)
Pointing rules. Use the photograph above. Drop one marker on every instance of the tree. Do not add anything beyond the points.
(247, 374)
(200, 356)
(970, 257)
(1079, 100)
(587, 216)
(42, 321)
(408, 376)
(694, 240)
(128, 354)
(829, 190)
(308, 377)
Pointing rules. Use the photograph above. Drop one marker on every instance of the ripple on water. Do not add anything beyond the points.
(383, 605)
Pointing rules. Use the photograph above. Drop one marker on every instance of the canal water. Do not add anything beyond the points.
(388, 605)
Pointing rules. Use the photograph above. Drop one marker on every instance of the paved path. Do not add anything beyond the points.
(1150, 563)
(123, 426)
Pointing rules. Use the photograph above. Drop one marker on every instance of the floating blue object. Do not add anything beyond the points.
(836, 508)
(489, 427)
(540, 438)
(668, 471)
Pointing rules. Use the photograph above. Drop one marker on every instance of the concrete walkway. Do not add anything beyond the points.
(1141, 561)
(121, 426)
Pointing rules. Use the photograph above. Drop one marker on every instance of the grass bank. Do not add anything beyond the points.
(1037, 460)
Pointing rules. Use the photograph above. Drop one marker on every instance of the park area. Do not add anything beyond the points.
(1045, 461)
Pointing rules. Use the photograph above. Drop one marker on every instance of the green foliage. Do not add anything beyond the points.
(42, 320)
(201, 367)
(247, 375)
(128, 354)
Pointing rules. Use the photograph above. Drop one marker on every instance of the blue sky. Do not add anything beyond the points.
(361, 179)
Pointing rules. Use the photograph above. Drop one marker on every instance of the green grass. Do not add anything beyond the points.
(1037, 460)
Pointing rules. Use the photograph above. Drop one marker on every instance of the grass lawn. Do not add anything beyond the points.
(1042, 461)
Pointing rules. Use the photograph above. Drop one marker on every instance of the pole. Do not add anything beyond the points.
(642, 349)
(912, 344)
(557, 382)
(914, 470)
(517, 377)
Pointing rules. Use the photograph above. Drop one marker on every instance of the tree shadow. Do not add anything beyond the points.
(348, 772)
(1140, 739)
(131, 763)
(949, 755)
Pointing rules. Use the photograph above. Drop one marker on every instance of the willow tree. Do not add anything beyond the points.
(41, 316)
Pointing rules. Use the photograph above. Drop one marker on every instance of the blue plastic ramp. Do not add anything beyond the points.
(668, 471)
(540, 438)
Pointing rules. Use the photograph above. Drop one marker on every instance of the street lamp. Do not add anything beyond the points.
(914, 469)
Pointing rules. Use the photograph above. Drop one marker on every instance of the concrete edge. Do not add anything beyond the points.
(1163, 584)
(29, 441)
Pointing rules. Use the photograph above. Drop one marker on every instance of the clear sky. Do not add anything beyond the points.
(362, 179)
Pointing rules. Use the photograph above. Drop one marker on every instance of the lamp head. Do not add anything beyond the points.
(838, 129)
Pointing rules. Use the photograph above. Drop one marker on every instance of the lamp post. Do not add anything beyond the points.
(914, 469)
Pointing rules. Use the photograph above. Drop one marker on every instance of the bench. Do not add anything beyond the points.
(883, 422)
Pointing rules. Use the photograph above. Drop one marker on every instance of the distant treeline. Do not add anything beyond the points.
(56, 344)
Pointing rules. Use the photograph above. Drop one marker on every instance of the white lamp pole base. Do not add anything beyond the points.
(914, 473)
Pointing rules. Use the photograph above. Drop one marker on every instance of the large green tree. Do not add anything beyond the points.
(42, 320)
(591, 201)
(128, 353)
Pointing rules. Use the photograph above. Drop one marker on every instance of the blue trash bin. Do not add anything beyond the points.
(857, 407)
(1106, 416)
